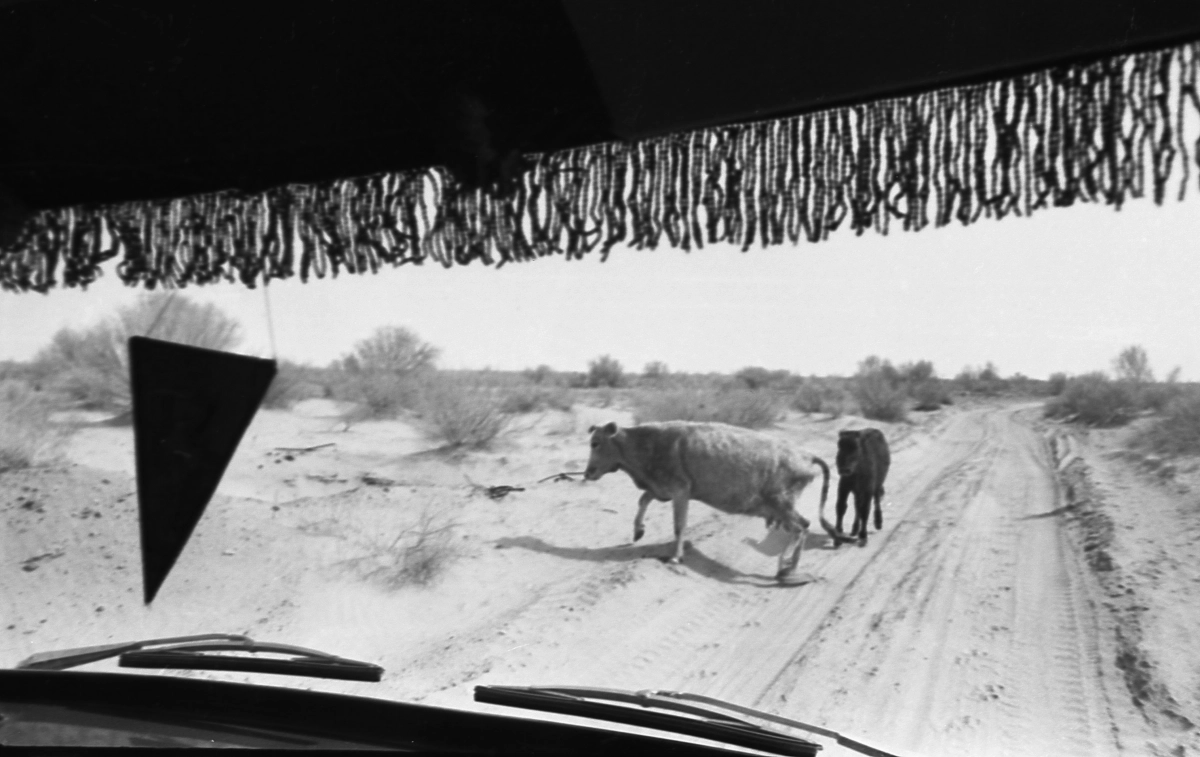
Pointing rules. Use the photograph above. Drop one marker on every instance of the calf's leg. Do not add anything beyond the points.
(879, 508)
(862, 506)
(843, 493)
(639, 526)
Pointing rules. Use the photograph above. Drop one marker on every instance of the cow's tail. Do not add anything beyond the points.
(825, 524)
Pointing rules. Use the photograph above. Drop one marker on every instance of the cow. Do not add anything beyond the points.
(732, 469)
(863, 460)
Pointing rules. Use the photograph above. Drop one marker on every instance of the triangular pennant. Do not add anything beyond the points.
(190, 409)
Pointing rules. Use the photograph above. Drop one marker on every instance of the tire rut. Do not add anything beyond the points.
(964, 631)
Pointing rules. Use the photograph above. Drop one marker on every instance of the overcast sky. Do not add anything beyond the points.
(1064, 290)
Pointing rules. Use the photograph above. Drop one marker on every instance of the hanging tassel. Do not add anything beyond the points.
(1108, 132)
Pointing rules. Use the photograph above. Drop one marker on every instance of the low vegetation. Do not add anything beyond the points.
(1093, 399)
(91, 365)
(879, 389)
(27, 435)
(418, 555)
(536, 398)
(605, 371)
(821, 396)
(737, 407)
(462, 415)
(1177, 430)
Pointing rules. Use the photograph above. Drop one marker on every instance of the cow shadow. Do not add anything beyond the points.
(776, 541)
(694, 559)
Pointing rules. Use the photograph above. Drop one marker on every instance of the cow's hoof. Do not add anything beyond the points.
(862, 542)
(638, 534)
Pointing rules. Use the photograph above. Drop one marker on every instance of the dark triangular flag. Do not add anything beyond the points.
(190, 409)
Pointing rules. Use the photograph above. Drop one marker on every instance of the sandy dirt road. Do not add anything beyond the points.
(969, 625)
(965, 627)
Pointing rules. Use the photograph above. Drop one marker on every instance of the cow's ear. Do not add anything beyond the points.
(592, 430)
(610, 428)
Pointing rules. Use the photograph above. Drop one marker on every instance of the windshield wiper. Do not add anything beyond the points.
(704, 722)
(191, 653)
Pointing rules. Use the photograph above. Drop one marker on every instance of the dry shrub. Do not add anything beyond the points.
(392, 349)
(290, 385)
(380, 395)
(27, 436)
(533, 398)
(1093, 399)
(878, 399)
(820, 396)
(462, 415)
(737, 407)
(605, 371)
(92, 365)
(1177, 432)
(1156, 397)
(930, 395)
(418, 555)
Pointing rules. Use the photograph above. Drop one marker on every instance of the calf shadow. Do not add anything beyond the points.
(694, 559)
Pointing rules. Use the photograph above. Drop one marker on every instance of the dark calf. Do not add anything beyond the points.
(863, 460)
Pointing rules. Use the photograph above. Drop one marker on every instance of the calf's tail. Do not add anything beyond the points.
(825, 524)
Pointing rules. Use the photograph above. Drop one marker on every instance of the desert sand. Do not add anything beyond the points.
(1032, 590)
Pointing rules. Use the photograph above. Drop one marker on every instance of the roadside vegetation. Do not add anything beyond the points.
(1167, 411)
(394, 373)
(1098, 399)
(27, 434)
(90, 366)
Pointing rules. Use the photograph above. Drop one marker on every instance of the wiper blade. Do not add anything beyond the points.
(193, 653)
(706, 724)
(718, 726)
(71, 658)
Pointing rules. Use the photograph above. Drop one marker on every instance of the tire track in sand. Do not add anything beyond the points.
(966, 631)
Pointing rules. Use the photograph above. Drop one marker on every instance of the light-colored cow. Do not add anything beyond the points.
(732, 469)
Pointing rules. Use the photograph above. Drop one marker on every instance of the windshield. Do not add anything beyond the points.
(444, 480)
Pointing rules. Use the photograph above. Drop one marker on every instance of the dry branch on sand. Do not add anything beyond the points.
(418, 555)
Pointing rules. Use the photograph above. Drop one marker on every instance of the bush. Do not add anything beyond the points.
(755, 377)
(985, 381)
(379, 395)
(817, 396)
(1093, 399)
(461, 415)
(540, 375)
(1056, 384)
(604, 371)
(92, 366)
(1177, 432)
(1133, 366)
(392, 349)
(1155, 397)
(737, 407)
(531, 399)
(875, 366)
(290, 385)
(930, 395)
(655, 371)
(918, 373)
(27, 436)
(878, 399)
